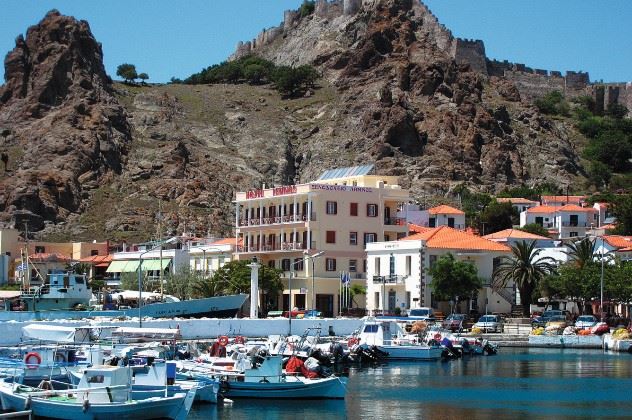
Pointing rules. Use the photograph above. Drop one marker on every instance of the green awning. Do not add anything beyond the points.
(154, 265)
(128, 266)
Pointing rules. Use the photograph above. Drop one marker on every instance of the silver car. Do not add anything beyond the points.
(489, 323)
(586, 321)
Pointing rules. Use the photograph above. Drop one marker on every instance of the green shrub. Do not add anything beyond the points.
(553, 103)
(307, 8)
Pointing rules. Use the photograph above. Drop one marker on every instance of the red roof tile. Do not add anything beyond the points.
(448, 238)
(618, 241)
(513, 233)
(443, 209)
(515, 200)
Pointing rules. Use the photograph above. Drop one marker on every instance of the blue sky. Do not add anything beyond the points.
(176, 38)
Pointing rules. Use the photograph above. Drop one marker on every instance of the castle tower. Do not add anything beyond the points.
(289, 17)
(321, 8)
(351, 7)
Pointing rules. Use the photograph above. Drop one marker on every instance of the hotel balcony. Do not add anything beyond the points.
(394, 279)
(277, 220)
(281, 247)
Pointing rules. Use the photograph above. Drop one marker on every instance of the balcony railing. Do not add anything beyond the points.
(567, 223)
(395, 221)
(284, 246)
(264, 221)
(394, 279)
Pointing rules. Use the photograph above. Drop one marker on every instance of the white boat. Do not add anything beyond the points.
(389, 337)
(103, 393)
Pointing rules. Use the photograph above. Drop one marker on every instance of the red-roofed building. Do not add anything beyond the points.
(618, 245)
(395, 278)
(560, 200)
(442, 215)
(562, 221)
(520, 204)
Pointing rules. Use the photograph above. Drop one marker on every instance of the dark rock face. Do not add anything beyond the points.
(62, 122)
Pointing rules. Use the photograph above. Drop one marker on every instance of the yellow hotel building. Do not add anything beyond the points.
(336, 215)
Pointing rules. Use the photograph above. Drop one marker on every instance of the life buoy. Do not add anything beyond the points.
(31, 355)
(239, 340)
(352, 341)
(223, 340)
(437, 337)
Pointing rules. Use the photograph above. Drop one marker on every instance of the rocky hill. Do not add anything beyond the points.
(89, 159)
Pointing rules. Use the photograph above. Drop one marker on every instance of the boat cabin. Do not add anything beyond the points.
(379, 333)
(104, 384)
(61, 291)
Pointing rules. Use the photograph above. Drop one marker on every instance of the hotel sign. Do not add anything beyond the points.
(283, 190)
(345, 188)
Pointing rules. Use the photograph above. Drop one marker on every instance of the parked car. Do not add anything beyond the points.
(490, 323)
(541, 320)
(454, 322)
(422, 314)
(586, 321)
(558, 321)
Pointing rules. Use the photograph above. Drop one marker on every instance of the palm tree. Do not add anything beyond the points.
(525, 268)
(581, 252)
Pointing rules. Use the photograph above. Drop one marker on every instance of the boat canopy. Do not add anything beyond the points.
(61, 334)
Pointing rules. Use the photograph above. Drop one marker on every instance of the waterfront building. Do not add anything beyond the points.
(338, 214)
(562, 222)
(398, 276)
(209, 254)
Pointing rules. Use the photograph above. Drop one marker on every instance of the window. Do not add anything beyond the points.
(271, 263)
(371, 210)
(387, 238)
(332, 207)
(331, 236)
(354, 209)
(353, 264)
(451, 222)
(377, 303)
(433, 260)
(285, 264)
(330, 264)
(353, 238)
(408, 264)
(370, 237)
(94, 252)
(377, 266)
(573, 234)
(432, 222)
(298, 264)
(40, 249)
(364, 266)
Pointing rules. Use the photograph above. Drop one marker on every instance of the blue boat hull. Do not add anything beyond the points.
(214, 307)
(333, 388)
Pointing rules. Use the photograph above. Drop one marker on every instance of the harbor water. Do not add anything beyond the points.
(516, 383)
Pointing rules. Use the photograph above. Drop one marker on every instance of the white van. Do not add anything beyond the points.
(423, 314)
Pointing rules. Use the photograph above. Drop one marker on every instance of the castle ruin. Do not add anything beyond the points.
(531, 83)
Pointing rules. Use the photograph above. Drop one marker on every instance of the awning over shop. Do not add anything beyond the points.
(123, 266)
(154, 265)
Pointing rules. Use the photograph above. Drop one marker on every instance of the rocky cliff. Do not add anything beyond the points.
(92, 160)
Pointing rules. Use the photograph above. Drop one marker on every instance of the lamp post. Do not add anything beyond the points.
(601, 282)
(312, 258)
(140, 284)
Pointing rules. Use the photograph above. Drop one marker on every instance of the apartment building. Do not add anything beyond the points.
(338, 214)
(398, 271)
(208, 255)
(562, 222)
(442, 215)
(520, 204)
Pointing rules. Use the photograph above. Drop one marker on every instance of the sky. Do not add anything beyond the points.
(167, 38)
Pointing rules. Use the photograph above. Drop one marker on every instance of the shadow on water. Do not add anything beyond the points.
(517, 383)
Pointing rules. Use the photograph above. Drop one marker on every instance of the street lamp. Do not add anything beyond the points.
(312, 258)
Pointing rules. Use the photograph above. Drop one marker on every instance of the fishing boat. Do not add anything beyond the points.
(102, 393)
(68, 296)
(389, 338)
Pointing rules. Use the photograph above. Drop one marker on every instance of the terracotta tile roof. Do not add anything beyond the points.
(416, 228)
(443, 209)
(574, 207)
(515, 200)
(97, 259)
(513, 233)
(227, 241)
(608, 226)
(575, 199)
(618, 241)
(543, 209)
(448, 238)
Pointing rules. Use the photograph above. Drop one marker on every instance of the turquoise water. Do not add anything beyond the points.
(515, 384)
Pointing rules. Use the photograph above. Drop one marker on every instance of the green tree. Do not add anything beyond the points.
(553, 103)
(535, 229)
(129, 281)
(452, 279)
(255, 73)
(599, 174)
(526, 268)
(143, 77)
(612, 148)
(616, 111)
(472, 204)
(498, 216)
(581, 252)
(622, 210)
(180, 283)
(127, 72)
(307, 8)
(235, 275)
(208, 286)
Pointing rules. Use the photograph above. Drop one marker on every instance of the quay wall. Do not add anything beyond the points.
(193, 329)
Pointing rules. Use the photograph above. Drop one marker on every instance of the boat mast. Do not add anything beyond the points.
(160, 241)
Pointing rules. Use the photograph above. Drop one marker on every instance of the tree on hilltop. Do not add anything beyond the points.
(143, 77)
(127, 72)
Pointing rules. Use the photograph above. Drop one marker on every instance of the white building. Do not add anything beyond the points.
(208, 255)
(568, 221)
(398, 277)
(520, 204)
